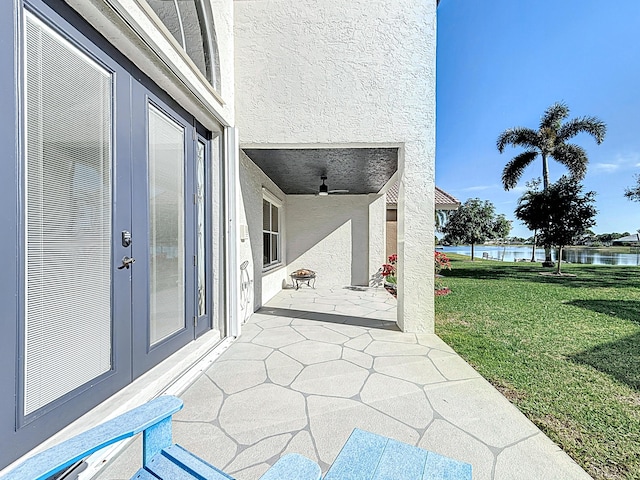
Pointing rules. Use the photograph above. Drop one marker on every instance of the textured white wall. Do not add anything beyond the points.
(334, 71)
(264, 285)
(377, 233)
(358, 73)
(330, 235)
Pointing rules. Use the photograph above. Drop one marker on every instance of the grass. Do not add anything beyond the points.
(564, 350)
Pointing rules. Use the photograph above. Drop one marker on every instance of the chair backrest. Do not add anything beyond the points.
(152, 418)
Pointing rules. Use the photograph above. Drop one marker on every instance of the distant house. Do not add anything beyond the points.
(442, 200)
(633, 239)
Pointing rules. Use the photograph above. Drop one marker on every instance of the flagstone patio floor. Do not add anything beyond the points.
(313, 364)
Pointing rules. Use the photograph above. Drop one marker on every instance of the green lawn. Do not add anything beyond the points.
(564, 350)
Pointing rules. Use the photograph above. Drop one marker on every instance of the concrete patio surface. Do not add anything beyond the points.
(313, 364)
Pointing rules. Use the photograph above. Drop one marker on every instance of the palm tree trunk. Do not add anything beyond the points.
(545, 171)
(533, 250)
(545, 183)
(472, 250)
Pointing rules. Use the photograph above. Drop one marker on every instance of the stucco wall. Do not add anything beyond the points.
(359, 73)
(263, 285)
(377, 234)
(330, 235)
(334, 71)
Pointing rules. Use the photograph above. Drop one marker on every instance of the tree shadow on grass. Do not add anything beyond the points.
(619, 359)
(587, 276)
(623, 309)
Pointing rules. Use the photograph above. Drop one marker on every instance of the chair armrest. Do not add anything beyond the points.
(55, 459)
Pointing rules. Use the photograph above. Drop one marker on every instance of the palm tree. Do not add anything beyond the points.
(441, 219)
(550, 141)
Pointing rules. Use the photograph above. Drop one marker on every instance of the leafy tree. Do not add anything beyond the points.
(606, 238)
(633, 193)
(588, 237)
(473, 222)
(549, 141)
(501, 227)
(561, 213)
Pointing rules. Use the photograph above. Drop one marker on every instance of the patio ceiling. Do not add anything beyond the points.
(356, 171)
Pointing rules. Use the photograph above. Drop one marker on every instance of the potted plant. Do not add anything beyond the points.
(389, 274)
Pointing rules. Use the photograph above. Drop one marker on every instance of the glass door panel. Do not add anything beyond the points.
(166, 226)
(163, 276)
(201, 229)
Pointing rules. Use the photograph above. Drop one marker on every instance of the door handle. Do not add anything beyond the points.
(126, 263)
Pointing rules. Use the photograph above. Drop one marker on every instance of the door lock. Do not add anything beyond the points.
(126, 238)
(126, 263)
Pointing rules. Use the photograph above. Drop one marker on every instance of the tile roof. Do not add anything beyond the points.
(443, 200)
(634, 237)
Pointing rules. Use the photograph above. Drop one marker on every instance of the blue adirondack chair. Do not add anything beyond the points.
(365, 455)
(160, 458)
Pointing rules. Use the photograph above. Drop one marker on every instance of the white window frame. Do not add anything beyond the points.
(273, 201)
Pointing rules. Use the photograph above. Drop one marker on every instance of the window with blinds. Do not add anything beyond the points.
(68, 185)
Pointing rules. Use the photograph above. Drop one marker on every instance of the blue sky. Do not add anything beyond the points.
(501, 63)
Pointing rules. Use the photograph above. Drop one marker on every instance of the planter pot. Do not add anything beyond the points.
(392, 288)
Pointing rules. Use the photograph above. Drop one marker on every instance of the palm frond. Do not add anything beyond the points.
(441, 219)
(573, 157)
(591, 125)
(518, 136)
(553, 116)
(633, 193)
(515, 168)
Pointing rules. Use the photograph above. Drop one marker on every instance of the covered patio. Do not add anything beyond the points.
(313, 364)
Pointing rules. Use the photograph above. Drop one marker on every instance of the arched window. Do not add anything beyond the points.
(191, 24)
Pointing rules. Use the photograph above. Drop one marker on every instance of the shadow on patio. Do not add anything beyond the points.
(314, 364)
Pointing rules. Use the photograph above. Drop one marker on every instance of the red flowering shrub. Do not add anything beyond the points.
(389, 269)
(441, 261)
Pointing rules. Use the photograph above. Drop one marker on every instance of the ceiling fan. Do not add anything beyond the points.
(324, 188)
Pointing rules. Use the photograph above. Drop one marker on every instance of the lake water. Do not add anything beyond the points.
(595, 256)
